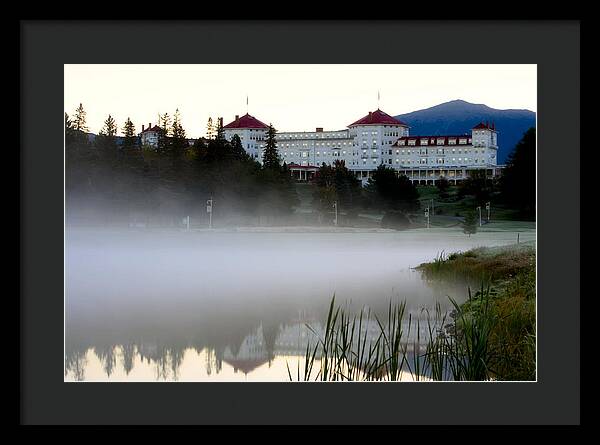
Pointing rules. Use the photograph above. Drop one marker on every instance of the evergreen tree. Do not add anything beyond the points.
(110, 127)
(469, 224)
(478, 185)
(79, 126)
(69, 131)
(518, 182)
(179, 141)
(164, 123)
(130, 137)
(442, 185)
(220, 131)
(270, 154)
(79, 122)
(237, 149)
(388, 190)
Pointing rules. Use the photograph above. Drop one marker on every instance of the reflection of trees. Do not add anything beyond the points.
(162, 364)
(106, 355)
(128, 357)
(176, 355)
(76, 362)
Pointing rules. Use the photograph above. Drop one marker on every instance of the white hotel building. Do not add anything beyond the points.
(375, 139)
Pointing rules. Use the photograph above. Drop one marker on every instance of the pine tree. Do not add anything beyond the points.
(164, 123)
(107, 136)
(130, 138)
(469, 224)
(79, 126)
(178, 138)
(270, 154)
(220, 131)
(79, 122)
(518, 182)
(69, 131)
(237, 149)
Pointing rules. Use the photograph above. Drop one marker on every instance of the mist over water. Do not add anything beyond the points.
(229, 301)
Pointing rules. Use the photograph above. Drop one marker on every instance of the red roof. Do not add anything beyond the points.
(485, 126)
(246, 121)
(245, 365)
(155, 128)
(432, 140)
(378, 117)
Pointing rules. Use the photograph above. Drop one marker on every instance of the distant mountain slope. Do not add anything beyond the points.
(458, 117)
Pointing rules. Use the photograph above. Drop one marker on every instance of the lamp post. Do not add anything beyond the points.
(432, 208)
(335, 221)
(488, 208)
(209, 204)
(427, 216)
(479, 208)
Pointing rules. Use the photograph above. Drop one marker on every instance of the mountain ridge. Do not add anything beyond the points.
(458, 116)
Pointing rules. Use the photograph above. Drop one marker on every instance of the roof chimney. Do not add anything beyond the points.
(319, 130)
(142, 128)
(237, 117)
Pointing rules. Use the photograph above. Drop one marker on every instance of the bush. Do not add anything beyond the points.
(394, 219)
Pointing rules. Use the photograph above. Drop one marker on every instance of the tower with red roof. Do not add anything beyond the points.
(373, 136)
(485, 137)
(251, 132)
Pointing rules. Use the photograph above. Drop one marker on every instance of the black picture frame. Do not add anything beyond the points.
(47, 45)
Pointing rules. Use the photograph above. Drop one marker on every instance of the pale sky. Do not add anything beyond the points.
(291, 97)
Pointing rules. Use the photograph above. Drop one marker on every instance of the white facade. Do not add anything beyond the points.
(380, 139)
(252, 139)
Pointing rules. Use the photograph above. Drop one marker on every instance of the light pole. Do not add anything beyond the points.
(427, 216)
(488, 208)
(209, 205)
(432, 208)
(335, 221)
(479, 208)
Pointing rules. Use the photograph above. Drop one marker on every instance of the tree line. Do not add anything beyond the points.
(122, 180)
(111, 182)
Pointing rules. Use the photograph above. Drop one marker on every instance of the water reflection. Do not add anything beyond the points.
(193, 307)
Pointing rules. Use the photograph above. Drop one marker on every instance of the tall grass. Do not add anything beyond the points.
(455, 351)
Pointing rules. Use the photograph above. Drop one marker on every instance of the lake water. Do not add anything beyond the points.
(144, 305)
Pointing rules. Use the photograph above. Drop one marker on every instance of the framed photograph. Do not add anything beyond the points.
(246, 227)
